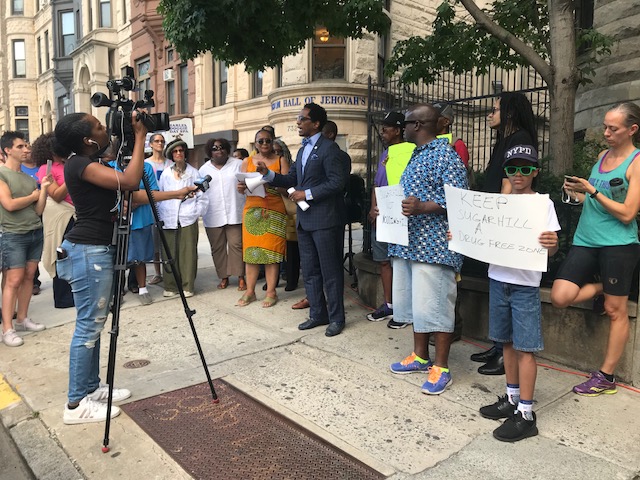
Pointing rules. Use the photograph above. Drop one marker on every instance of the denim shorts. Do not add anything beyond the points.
(379, 250)
(20, 248)
(615, 265)
(515, 316)
(424, 294)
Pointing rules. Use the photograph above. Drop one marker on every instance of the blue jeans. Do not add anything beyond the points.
(89, 271)
(515, 315)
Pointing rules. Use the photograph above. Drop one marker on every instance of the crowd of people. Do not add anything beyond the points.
(60, 199)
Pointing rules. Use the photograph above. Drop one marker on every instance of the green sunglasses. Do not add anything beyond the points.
(524, 171)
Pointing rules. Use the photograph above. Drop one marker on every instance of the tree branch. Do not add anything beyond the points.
(528, 53)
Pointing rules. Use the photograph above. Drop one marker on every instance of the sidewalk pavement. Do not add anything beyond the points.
(340, 388)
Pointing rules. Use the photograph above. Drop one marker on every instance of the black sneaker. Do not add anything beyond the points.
(501, 409)
(397, 325)
(516, 428)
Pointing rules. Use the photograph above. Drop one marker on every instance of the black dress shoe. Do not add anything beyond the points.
(334, 329)
(495, 366)
(312, 323)
(290, 288)
(484, 357)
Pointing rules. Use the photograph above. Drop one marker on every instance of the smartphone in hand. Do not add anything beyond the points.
(49, 164)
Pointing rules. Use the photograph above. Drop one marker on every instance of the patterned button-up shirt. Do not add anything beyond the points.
(431, 167)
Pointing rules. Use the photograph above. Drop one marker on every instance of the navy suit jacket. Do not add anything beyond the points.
(324, 175)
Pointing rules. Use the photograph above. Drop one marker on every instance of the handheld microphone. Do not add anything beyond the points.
(201, 184)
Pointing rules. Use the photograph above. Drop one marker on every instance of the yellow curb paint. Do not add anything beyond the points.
(7, 395)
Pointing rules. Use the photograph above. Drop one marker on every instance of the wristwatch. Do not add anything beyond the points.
(593, 195)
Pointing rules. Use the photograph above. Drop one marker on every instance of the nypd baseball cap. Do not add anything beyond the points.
(523, 152)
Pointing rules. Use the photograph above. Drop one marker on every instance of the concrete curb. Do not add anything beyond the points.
(28, 450)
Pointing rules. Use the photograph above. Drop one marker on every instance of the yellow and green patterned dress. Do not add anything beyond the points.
(264, 225)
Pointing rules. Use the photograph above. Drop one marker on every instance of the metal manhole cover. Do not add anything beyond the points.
(239, 438)
(137, 363)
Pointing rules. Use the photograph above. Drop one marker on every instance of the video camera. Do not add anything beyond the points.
(118, 118)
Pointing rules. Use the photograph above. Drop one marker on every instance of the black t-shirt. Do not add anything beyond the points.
(94, 205)
(494, 172)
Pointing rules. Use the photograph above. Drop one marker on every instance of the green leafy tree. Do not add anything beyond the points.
(259, 33)
(510, 34)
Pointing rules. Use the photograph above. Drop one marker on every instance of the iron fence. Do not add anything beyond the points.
(471, 97)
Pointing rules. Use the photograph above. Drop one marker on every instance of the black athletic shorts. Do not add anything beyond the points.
(614, 264)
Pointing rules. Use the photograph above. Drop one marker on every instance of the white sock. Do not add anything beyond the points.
(142, 290)
(526, 408)
(513, 393)
(390, 305)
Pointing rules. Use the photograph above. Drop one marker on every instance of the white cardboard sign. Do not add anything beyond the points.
(391, 225)
(498, 229)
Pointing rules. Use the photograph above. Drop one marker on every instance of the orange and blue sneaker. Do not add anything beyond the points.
(412, 364)
(437, 381)
(596, 385)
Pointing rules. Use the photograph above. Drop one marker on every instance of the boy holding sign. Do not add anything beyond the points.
(515, 313)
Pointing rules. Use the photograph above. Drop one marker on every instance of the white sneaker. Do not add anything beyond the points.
(101, 394)
(169, 294)
(11, 338)
(88, 411)
(188, 294)
(27, 325)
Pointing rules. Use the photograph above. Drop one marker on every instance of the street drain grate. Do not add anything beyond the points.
(136, 363)
(238, 438)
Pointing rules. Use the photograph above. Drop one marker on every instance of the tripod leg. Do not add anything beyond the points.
(120, 266)
(175, 271)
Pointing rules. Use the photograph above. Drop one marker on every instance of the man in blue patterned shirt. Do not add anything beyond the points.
(424, 272)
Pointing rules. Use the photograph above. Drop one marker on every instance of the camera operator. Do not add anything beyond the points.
(86, 256)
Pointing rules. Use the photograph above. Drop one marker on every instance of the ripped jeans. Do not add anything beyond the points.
(89, 271)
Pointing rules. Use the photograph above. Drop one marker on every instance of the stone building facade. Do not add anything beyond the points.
(18, 75)
(616, 78)
(66, 50)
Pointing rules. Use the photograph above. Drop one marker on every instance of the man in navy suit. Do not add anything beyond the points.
(318, 177)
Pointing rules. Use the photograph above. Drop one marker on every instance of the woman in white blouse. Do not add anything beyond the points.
(223, 217)
(180, 218)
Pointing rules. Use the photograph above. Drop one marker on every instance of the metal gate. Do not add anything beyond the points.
(471, 97)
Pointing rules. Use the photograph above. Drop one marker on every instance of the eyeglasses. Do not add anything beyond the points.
(525, 170)
(217, 148)
(262, 141)
(302, 118)
(158, 141)
(494, 110)
(178, 150)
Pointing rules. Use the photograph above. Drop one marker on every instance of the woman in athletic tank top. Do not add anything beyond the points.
(605, 246)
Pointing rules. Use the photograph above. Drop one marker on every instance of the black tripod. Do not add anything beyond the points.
(122, 233)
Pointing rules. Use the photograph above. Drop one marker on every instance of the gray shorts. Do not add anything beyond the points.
(379, 250)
